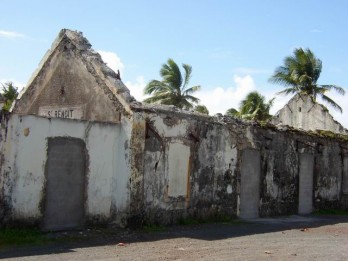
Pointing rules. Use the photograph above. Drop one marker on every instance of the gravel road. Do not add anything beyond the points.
(287, 238)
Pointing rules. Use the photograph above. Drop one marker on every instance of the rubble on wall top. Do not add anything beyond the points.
(171, 109)
(290, 129)
(229, 120)
(76, 37)
(76, 41)
(92, 56)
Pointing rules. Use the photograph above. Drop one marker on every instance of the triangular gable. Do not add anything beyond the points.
(303, 113)
(72, 81)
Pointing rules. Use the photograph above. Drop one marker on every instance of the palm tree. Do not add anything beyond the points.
(173, 88)
(253, 107)
(233, 112)
(300, 74)
(201, 109)
(10, 93)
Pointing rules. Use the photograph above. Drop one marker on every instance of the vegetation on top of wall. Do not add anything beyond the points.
(317, 133)
(325, 109)
(201, 109)
(10, 93)
(330, 134)
(253, 107)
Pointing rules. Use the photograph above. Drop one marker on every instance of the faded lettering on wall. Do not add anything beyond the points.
(67, 112)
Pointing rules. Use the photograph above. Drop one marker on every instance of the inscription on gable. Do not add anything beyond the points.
(67, 112)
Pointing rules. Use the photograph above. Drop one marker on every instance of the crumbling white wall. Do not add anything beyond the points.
(107, 174)
(190, 167)
(302, 113)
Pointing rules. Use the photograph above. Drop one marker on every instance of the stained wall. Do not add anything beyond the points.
(24, 174)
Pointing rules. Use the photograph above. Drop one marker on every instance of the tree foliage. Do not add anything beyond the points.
(253, 107)
(201, 109)
(10, 93)
(173, 89)
(300, 73)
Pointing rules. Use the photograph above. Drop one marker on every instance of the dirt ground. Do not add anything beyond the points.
(287, 238)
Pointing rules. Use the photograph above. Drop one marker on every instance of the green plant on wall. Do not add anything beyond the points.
(10, 93)
(252, 107)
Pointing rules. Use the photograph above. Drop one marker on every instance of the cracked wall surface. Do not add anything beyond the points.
(280, 152)
(23, 170)
(163, 165)
(72, 94)
(190, 166)
(213, 172)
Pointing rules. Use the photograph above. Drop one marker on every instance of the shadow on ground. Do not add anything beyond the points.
(209, 232)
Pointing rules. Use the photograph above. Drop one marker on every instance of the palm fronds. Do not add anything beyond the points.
(173, 88)
(300, 74)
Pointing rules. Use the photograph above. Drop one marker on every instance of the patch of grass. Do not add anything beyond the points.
(16, 237)
(188, 221)
(153, 228)
(331, 212)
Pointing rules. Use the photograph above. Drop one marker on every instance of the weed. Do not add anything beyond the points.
(153, 228)
(16, 237)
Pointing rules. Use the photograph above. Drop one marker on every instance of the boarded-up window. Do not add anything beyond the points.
(178, 169)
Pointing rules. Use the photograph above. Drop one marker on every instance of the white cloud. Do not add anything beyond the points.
(137, 88)
(279, 100)
(219, 99)
(316, 31)
(112, 60)
(9, 34)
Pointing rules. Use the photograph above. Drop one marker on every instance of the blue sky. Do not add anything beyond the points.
(233, 46)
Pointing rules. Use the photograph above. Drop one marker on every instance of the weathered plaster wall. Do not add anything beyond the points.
(302, 112)
(328, 174)
(108, 170)
(189, 166)
(72, 81)
(344, 199)
(165, 165)
(137, 143)
(206, 153)
(279, 171)
(280, 152)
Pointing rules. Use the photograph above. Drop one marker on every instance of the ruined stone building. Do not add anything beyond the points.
(302, 112)
(78, 149)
